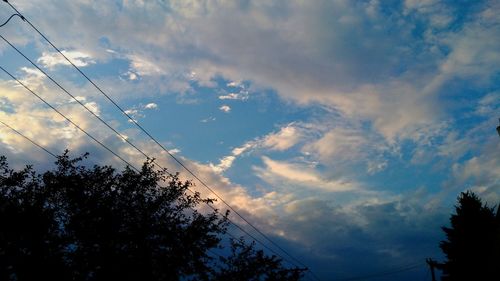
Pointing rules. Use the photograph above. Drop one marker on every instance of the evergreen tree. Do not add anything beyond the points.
(472, 247)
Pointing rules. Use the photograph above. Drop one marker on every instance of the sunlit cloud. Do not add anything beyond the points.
(225, 108)
(298, 174)
(80, 59)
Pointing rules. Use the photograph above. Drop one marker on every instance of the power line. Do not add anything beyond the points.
(132, 166)
(125, 139)
(158, 143)
(55, 156)
(66, 118)
(27, 138)
(136, 169)
(7, 21)
(78, 101)
(383, 273)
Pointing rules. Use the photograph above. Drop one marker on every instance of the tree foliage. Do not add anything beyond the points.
(246, 263)
(79, 223)
(472, 247)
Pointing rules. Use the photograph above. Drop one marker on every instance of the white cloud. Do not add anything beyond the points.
(227, 161)
(299, 174)
(151, 105)
(480, 172)
(175, 151)
(338, 144)
(32, 71)
(209, 119)
(224, 164)
(489, 104)
(225, 108)
(80, 59)
(132, 76)
(140, 65)
(94, 107)
(233, 96)
(284, 139)
(235, 84)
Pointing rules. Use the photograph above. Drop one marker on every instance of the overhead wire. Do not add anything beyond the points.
(115, 131)
(64, 116)
(55, 156)
(27, 138)
(178, 161)
(7, 21)
(383, 273)
(132, 166)
(121, 136)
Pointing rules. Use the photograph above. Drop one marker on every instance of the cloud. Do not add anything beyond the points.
(144, 66)
(381, 61)
(488, 104)
(284, 139)
(225, 108)
(224, 164)
(233, 96)
(299, 174)
(209, 119)
(151, 105)
(227, 161)
(137, 111)
(32, 71)
(235, 84)
(51, 60)
(480, 173)
(338, 143)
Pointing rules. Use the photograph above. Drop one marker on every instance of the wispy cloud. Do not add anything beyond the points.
(297, 174)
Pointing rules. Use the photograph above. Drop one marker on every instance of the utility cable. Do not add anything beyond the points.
(119, 134)
(382, 274)
(157, 142)
(27, 138)
(55, 156)
(79, 102)
(66, 118)
(132, 166)
(7, 21)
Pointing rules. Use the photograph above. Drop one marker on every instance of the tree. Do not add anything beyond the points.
(245, 263)
(79, 223)
(472, 247)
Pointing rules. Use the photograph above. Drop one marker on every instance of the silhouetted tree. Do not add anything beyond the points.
(472, 247)
(246, 263)
(79, 223)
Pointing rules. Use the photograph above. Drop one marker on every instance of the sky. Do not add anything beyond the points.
(344, 130)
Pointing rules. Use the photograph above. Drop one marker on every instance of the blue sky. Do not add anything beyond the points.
(342, 129)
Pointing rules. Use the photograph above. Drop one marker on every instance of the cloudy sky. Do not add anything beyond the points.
(342, 129)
